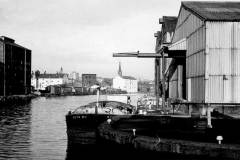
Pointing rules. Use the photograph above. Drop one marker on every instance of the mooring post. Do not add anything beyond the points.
(209, 122)
(98, 94)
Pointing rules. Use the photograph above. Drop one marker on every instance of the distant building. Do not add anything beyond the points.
(89, 80)
(15, 68)
(74, 76)
(145, 86)
(125, 83)
(107, 82)
(46, 80)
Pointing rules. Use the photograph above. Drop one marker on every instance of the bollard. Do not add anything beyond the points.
(219, 139)
(134, 132)
(109, 121)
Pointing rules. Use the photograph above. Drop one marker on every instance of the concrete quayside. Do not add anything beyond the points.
(181, 135)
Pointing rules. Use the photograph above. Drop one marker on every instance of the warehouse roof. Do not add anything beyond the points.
(214, 11)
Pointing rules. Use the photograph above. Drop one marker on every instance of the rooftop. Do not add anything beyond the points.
(214, 10)
(51, 75)
(11, 41)
(128, 77)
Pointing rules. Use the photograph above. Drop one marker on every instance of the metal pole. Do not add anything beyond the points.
(98, 94)
(163, 81)
(157, 79)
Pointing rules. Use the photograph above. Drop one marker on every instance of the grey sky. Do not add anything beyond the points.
(81, 35)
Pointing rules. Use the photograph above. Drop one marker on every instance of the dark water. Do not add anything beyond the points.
(37, 131)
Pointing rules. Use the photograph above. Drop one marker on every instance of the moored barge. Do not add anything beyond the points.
(82, 123)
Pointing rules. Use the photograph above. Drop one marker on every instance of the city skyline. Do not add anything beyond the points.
(81, 36)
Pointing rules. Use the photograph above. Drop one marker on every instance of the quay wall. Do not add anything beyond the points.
(16, 99)
(168, 145)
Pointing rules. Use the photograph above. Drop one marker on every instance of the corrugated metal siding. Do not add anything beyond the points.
(197, 89)
(192, 29)
(175, 76)
(222, 62)
(179, 45)
(187, 24)
(180, 81)
(173, 85)
(173, 89)
(236, 88)
(195, 65)
(220, 90)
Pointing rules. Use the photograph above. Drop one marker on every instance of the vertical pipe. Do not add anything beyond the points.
(163, 81)
(157, 78)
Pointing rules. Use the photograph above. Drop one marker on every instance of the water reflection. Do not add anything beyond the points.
(38, 130)
(15, 132)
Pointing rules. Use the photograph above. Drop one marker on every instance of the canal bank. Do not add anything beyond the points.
(16, 99)
(142, 134)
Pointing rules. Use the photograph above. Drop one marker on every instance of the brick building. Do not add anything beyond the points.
(89, 80)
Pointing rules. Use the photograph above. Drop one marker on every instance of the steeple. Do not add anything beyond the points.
(120, 70)
(61, 70)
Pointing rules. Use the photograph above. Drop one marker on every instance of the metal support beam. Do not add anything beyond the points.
(138, 55)
(151, 55)
(160, 54)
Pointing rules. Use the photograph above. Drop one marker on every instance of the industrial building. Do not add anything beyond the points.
(15, 68)
(89, 80)
(209, 35)
(48, 79)
(163, 38)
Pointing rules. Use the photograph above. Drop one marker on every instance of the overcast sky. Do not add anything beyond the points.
(81, 35)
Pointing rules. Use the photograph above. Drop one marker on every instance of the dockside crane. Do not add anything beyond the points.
(162, 53)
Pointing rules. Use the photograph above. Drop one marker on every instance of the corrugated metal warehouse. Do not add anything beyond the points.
(210, 34)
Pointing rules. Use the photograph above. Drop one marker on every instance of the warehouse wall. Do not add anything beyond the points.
(223, 62)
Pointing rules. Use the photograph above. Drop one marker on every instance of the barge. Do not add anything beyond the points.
(82, 123)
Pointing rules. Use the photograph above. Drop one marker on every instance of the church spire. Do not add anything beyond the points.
(120, 70)
(61, 70)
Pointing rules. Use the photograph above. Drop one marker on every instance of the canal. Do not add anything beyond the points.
(37, 130)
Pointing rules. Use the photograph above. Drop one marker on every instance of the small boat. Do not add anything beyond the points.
(82, 123)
